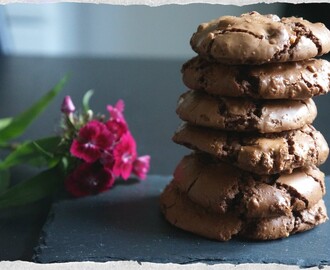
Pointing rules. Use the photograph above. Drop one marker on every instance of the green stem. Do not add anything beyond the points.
(10, 146)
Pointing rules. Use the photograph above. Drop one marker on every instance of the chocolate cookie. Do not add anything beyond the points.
(256, 39)
(258, 153)
(221, 188)
(284, 226)
(238, 114)
(181, 212)
(184, 214)
(290, 80)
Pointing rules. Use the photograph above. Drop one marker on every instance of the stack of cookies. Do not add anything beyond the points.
(248, 119)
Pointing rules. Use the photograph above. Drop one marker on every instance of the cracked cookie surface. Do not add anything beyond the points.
(290, 80)
(253, 38)
(258, 153)
(181, 212)
(221, 188)
(238, 114)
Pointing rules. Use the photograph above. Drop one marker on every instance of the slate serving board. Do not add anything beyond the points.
(126, 224)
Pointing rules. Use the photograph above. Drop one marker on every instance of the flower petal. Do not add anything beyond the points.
(124, 155)
(141, 166)
(117, 128)
(93, 139)
(88, 153)
(116, 112)
(120, 105)
(89, 179)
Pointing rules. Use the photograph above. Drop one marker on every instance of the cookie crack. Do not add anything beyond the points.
(278, 54)
(320, 182)
(294, 194)
(193, 183)
(316, 88)
(238, 30)
(230, 202)
(249, 121)
(208, 50)
(299, 220)
(291, 143)
(300, 31)
(248, 85)
(308, 34)
(257, 111)
(316, 152)
(237, 200)
(166, 207)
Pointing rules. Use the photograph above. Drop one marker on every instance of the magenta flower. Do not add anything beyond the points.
(124, 156)
(93, 139)
(67, 105)
(117, 123)
(117, 128)
(107, 159)
(116, 112)
(89, 179)
(105, 149)
(141, 166)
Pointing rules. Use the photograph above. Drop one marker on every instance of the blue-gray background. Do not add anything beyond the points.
(119, 31)
(36, 32)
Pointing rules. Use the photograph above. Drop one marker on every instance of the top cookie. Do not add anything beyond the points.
(253, 38)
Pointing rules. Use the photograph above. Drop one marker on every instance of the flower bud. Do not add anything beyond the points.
(67, 105)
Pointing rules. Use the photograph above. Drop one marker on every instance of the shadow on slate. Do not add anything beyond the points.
(126, 224)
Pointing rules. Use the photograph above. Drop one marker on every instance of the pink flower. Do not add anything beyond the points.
(88, 179)
(124, 155)
(117, 123)
(107, 159)
(141, 166)
(117, 128)
(93, 139)
(67, 105)
(116, 112)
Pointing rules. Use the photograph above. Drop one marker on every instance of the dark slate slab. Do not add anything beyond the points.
(125, 224)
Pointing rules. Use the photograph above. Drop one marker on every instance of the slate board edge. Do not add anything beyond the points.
(42, 245)
(43, 236)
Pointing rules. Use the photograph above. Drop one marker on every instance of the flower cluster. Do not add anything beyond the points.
(103, 148)
(89, 154)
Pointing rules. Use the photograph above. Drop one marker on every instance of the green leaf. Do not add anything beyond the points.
(4, 180)
(19, 123)
(38, 153)
(86, 99)
(40, 186)
(5, 122)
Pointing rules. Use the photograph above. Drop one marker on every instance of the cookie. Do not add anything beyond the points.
(181, 212)
(184, 214)
(238, 114)
(253, 38)
(284, 226)
(290, 80)
(221, 188)
(258, 153)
